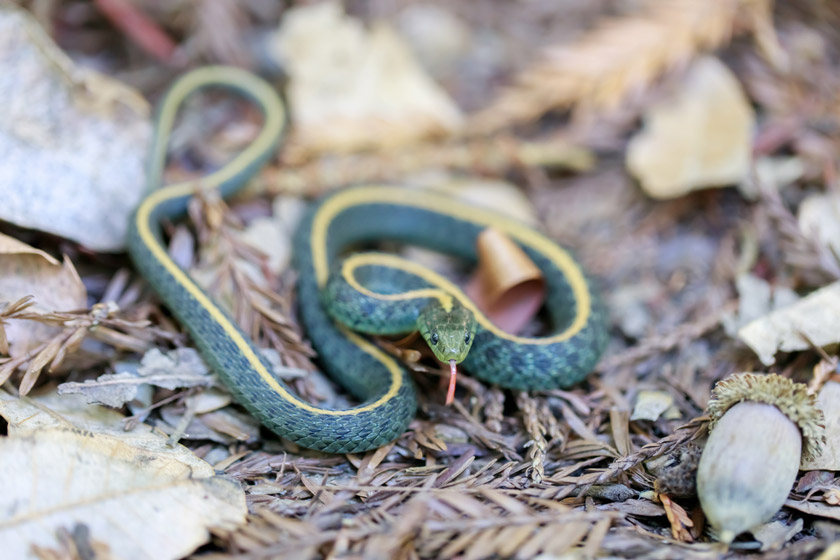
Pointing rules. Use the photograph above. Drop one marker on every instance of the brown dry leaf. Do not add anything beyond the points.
(73, 140)
(507, 286)
(621, 56)
(814, 319)
(140, 504)
(699, 137)
(352, 87)
(26, 271)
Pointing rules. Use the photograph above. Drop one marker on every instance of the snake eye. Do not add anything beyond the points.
(467, 338)
(434, 338)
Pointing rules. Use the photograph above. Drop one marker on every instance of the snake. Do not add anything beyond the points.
(344, 295)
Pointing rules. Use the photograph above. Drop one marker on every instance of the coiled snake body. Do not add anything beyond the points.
(371, 292)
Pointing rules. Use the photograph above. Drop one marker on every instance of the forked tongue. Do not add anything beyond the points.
(450, 392)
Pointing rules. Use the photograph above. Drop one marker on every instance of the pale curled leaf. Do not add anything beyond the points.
(814, 319)
(178, 369)
(181, 362)
(111, 389)
(650, 405)
(140, 504)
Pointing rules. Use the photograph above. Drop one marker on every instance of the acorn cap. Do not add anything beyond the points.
(792, 399)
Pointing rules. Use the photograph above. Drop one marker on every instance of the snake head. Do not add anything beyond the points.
(448, 328)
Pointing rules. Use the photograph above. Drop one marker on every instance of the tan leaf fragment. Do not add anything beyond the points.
(650, 405)
(700, 137)
(140, 504)
(353, 87)
(814, 319)
(56, 286)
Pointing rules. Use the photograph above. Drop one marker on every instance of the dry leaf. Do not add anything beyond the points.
(497, 195)
(680, 522)
(73, 141)
(650, 405)
(700, 137)
(507, 286)
(140, 504)
(832, 496)
(179, 368)
(46, 409)
(222, 426)
(26, 271)
(756, 297)
(829, 460)
(621, 56)
(439, 37)
(818, 509)
(352, 87)
(819, 219)
(775, 534)
(273, 235)
(814, 319)
(771, 173)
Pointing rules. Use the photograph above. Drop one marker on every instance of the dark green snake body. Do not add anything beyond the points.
(362, 291)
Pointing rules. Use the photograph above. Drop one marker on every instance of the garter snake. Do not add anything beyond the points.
(357, 290)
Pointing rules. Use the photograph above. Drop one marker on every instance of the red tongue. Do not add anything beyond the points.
(450, 392)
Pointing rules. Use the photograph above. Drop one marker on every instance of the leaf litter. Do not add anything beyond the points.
(605, 468)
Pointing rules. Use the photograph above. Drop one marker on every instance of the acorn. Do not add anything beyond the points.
(761, 427)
